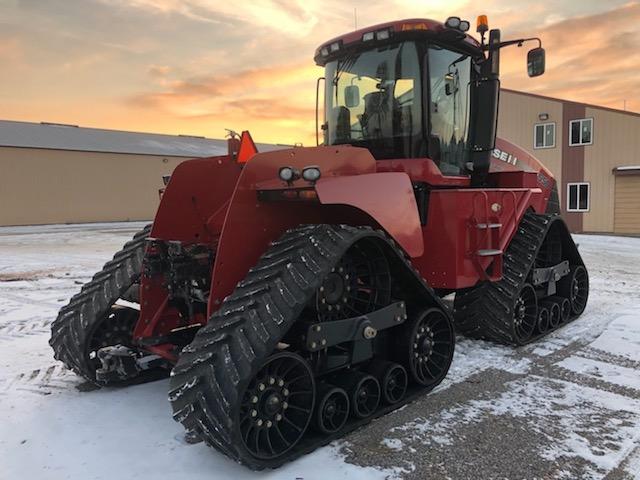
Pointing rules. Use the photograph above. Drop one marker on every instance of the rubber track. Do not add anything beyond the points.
(71, 331)
(212, 372)
(485, 311)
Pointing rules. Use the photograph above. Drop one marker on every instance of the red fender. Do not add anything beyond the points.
(388, 198)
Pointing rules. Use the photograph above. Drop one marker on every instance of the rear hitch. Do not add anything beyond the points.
(120, 363)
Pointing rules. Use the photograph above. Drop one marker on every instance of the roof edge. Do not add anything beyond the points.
(562, 100)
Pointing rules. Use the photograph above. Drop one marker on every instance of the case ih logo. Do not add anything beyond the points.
(504, 156)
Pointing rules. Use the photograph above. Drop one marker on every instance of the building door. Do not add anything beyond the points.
(627, 206)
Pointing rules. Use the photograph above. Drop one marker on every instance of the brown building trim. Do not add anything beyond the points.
(564, 101)
(572, 162)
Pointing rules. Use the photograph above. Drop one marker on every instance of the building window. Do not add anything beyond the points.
(544, 135)
(578, 197)
(581, 132)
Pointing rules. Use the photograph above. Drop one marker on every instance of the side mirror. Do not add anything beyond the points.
(352, 96)
(535, 62)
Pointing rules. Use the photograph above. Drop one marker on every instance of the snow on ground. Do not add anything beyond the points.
(566, 407)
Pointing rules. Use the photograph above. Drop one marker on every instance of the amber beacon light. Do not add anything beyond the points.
(482, 24)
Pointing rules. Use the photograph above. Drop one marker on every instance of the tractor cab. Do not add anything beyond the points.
(416, 89)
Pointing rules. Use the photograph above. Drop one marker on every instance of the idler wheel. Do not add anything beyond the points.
(428, 345)
(277, 406)
(575, 287)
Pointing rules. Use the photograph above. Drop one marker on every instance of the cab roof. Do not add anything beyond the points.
(399, 29)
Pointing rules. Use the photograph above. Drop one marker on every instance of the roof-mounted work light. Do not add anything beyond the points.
(452, 22)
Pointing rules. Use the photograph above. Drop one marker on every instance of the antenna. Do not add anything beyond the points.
(355, 18)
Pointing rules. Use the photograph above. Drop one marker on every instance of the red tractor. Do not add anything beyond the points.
(295, 295)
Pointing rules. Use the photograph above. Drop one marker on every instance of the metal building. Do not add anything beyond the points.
(62, 173)
(54, 173)
(594, 153)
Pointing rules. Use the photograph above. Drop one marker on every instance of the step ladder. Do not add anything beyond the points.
(485, 241)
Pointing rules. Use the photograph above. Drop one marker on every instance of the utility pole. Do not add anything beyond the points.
(624, 103)
(355, 18)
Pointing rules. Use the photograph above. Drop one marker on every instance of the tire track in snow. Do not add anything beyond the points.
(43, 381)
(22, 328)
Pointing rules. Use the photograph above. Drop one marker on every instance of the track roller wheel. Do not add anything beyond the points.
(332, 410)
(363, 391)
(277, 406)
(543, 319)
(392, 378)
(525, 313)
(427, 346)
(565, 309)
(555, 316)
(575, 287)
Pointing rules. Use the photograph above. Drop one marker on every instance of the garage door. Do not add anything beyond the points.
(627, 206)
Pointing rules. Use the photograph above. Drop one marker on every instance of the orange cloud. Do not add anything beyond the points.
(159, 71)
(174, 66)
(277, 101)
(592, 59)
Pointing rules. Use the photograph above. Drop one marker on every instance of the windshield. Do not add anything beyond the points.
(373, 100)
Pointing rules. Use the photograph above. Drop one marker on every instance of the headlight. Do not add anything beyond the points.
(383, 34)
(311, 174)
(288, 174)
(367, 37)
(464, 26)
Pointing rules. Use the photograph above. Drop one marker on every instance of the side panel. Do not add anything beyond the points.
(454, 233)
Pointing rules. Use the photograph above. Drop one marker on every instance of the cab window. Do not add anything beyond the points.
(449, 83)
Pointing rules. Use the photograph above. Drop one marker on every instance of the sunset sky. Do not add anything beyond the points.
(199, 66)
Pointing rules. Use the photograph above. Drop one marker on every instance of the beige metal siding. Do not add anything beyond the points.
(39, 186)
(627, 204)
(516, 120)
(616, 142)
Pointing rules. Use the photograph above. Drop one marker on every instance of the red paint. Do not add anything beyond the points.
(373, 193)
(452, 238)
(422, 170)
(428, 27)
(214, 202)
